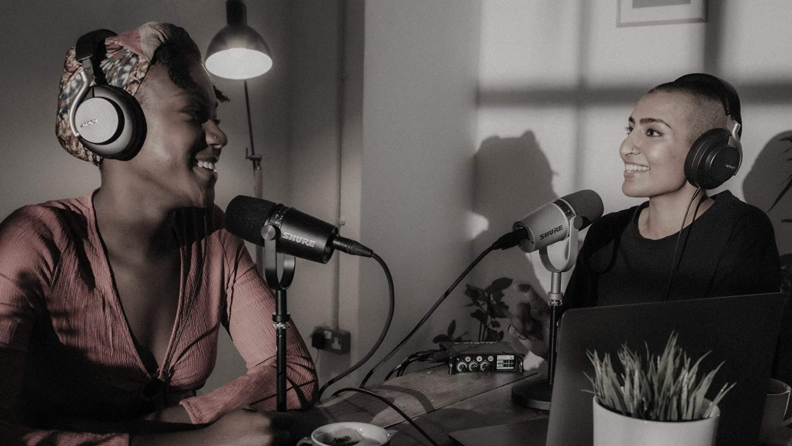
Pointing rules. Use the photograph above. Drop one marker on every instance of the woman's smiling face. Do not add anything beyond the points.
(657, 143)
(183, 140)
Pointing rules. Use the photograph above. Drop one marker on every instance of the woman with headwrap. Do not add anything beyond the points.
(111, 303)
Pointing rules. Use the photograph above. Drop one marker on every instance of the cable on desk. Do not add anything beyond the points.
(439, 355)
(392, 298)
(392, 406)
(504, 242)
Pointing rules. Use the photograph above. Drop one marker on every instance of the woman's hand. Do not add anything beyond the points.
(247, 426)
(531, 325)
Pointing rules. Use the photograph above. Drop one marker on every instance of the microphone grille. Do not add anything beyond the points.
(245, 216)
(587, 204)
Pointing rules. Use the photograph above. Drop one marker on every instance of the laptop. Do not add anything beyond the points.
(740, 331)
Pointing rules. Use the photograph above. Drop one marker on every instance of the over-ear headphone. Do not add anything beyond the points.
(716, 155)
(106, 119)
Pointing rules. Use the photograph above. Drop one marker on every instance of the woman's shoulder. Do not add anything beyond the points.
(735, 215)
(730, 208)
(50, 218)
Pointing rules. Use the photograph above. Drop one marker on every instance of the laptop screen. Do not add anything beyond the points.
(739, 331)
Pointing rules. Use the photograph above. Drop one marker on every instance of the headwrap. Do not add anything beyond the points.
(125, 64)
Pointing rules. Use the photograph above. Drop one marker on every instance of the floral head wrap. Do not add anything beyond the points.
(125, 64)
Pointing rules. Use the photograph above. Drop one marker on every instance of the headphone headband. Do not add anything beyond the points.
(90, 51)
(724, 90)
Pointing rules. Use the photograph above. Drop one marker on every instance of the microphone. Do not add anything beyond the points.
(551, 222)
(299, 234)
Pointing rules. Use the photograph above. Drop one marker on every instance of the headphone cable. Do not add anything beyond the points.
(674, 263)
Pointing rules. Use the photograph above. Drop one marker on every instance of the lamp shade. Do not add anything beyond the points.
(238, 51)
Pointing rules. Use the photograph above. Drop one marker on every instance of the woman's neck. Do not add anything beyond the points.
(133, 224)
(663, 216)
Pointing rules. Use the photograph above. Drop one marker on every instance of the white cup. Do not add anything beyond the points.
(775, 408)
(347, 433)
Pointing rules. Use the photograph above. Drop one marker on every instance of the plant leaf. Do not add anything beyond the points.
(451, 328)
(499, 284)
(479, 315)
(476, 295)
(441, 338)
(500, 310)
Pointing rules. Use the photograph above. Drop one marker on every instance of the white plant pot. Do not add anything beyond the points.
(614, 429)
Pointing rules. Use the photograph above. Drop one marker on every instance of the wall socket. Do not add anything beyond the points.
(331, 340)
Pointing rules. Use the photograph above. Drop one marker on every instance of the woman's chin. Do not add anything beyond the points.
(631, 191)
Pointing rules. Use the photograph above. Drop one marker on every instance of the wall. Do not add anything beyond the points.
(314, 163)
(36, 36)
(420, 67)
(395, 172)
(559, 80)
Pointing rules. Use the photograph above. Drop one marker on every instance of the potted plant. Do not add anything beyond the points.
(657, 400)
(488, 309)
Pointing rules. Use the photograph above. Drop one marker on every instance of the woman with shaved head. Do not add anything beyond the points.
(683, 137)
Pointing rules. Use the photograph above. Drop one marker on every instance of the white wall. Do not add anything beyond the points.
(558, 81)
(418, 129)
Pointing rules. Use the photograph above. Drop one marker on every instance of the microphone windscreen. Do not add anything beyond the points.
(245, 216)
(587, 204)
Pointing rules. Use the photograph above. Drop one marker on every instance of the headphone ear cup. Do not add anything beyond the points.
(712, 159)
(111, 123)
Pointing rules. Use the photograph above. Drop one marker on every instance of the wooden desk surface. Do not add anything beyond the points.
(438, 402)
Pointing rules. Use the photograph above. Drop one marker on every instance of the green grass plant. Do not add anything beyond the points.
(658, 388)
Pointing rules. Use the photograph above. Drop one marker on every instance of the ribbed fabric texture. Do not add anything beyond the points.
(67, 354)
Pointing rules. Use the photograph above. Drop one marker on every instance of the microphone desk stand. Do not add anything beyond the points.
(537, 394)
(281, 316)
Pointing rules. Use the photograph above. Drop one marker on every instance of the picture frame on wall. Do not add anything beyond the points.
(660, 12)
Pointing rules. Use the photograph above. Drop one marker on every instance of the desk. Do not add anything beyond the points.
(438, 402)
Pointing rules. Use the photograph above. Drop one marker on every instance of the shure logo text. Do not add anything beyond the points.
(301, 240)
(550, 232)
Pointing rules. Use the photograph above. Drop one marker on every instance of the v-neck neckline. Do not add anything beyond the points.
(96, 238)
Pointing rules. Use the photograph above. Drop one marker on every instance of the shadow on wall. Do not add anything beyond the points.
(512, 178)
(768, 186)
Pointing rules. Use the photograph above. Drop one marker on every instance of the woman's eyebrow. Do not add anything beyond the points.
(652, 121)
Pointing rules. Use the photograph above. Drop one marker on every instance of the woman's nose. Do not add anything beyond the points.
(628, 146)
(215, 137)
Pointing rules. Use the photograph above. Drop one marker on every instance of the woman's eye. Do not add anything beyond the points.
(628, 129)
(653, 132)
(196, 115)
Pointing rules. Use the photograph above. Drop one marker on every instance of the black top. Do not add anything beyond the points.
(729, 250)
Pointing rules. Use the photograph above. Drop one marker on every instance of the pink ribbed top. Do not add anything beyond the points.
(66, 351)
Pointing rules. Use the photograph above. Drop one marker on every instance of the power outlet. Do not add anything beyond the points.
(328, 339)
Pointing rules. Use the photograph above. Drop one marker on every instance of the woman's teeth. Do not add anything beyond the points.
(207, 165)
(635, 168)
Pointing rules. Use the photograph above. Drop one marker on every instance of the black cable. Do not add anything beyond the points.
(405, 362)
(674, 263)
(423, 320)
(385, 328)
(504, 242)
(392, 406)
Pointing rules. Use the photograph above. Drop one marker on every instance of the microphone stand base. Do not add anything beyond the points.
(533, 394)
